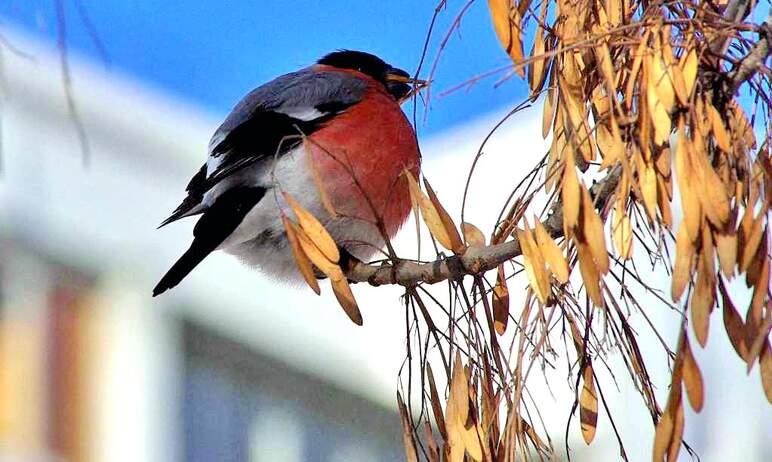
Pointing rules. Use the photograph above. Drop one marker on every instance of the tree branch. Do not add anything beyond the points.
(755, 60)
(476, 260)
(735, 12)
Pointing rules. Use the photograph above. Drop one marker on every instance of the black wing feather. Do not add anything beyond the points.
(195, 192)
(216, 224)
(260, 127)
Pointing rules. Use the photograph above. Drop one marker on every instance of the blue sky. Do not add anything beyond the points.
(211, 52)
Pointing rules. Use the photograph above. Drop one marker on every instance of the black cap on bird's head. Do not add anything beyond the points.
(397, 82)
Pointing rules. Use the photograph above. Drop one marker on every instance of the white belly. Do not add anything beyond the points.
(259, 240)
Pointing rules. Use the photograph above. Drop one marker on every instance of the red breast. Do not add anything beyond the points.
(362, 153)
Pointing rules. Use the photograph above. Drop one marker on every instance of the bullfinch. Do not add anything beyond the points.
(331, 135)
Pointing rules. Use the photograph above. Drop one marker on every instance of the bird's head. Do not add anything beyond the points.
(397, 82)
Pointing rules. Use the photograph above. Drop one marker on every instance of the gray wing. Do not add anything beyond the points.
(270, 121)
(298, 93)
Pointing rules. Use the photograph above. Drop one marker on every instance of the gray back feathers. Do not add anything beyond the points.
(296, 92)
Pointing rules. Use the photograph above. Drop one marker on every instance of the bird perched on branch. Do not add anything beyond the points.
(334, 137)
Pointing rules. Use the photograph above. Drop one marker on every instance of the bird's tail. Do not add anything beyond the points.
(190, 259)
(214, 226)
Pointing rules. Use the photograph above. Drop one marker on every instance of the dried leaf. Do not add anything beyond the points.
(549, 112)
(663, 162)
(744, 229)
(719, 131)
(536, 70)
(615, 150)
(754, 274)
(311, 250)
(506, 23)
(301, 260)
(472, 437)
(622, 233)
(552, 253)
(461, 438)
(590, 274)
(576, 335)
(576, 120)
(662, 436)
(692, 377)
(439, 419)
(602, 104)
(588, 406)
(667, 437)
(663, 201)
(606, 144)
(432, 450)
(682, 269)
(762, 284)
(678, 434)
(679, 84)
(411, 454)
(752, 240)
(702, 301)
(346, 299)
(758, 338)
(314, 230)
(593, 233)
(571, 196)
(534, 264)
(689, 69)
(500, 302)
(734, 324)
(752, 325)
(459, 391)
(726, 245)
(606, 66)
(700, 124)
(555, 154)
(416, 212)
(742, 128)
(472, 234)
(614, 12)
(690, 201)
(765, 369)
(572, 63)
(533, 436)
(430, 214)
(657, 109)
(632, 78)
(713, 196)
(489, 412)
(661, 80)
(648, 180)
(447, 222)
(708, 253)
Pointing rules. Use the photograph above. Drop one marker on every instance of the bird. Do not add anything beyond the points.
(331, 135)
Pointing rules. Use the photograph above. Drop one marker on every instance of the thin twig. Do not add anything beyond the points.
(64, 63)
(475, 260)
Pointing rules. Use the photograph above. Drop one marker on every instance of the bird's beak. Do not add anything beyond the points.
(401, 85)
(399, 76)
